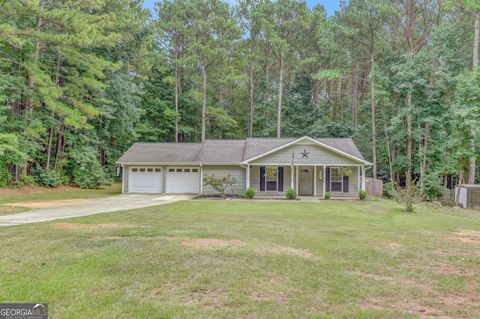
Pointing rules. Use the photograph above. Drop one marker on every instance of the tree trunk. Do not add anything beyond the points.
(387, 141)
(251, 101)
(476, 40)
(58, 155)
(314, 98)
(354, 97)
(49, 145)
(177, 96)
(409, 136)
(423, 164)
(374, 133)
(280, 93)
(204, 101)
(31, 83)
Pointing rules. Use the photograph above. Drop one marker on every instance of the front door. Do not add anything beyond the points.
(305, 180)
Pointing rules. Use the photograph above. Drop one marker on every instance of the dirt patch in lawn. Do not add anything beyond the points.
(90, 227)
(211, 243)
(466, 236)
(8, 209)
(393, 246)
(278, 297)
(407, 306)
(285, 250)
(458, 252)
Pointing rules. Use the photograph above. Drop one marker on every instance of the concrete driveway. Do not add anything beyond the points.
(91, 207)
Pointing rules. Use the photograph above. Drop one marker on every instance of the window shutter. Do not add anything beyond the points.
(262, 178)
(327, 179)
(345, 184)
(280, 178)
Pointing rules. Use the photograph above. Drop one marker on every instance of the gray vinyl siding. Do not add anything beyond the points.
(317, 155)
(238, 172)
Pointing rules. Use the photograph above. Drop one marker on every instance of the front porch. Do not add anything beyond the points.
(309, 181)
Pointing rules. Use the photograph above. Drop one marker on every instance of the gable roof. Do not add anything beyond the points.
(227, 151)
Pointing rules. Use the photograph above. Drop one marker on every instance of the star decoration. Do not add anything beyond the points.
(305, 153)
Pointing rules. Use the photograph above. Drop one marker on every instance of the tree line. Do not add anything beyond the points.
(81, 80)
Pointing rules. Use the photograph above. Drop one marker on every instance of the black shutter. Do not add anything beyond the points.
(345, 184)
(262, 178)
(280, 178)
(327, 179)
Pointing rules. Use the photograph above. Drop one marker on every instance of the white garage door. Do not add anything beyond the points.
(145, 180)
(183, 180)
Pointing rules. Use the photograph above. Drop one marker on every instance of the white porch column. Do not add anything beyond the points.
(296, 178)
(123, 179)
(324, 178)
(315, 181)
(363, 178)
(292, 169)
(201, 179)
(247, 182)
(359, 181)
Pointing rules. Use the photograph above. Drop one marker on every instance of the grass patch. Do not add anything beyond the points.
(64, 192)
(243, 259)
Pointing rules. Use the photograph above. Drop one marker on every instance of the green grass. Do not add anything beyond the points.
(13, 196)
(324, 259)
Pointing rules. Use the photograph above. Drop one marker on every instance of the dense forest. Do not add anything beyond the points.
(81, 80)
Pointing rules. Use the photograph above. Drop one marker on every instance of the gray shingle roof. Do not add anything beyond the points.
(219, 151)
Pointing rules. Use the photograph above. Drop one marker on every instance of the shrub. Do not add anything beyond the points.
(291, 193)
(432, 186)
(220, 184)
(362, 195)
(389, 190)
(46, 177)
(250, 193)
(86, 169)
(328, 195)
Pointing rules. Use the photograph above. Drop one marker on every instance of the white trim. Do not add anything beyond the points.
(123, 179)
(324, 177)
(363, 177)
(315, 181)
(201, 179)
(296, 178)
(178, 163)
(311, 140)
(247, 183)
(341, 180)
(359, 183)
(316, 164)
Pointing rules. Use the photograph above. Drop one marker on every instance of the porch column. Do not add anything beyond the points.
(363, 178)
(315, 181)
(123, 178)
(247, 182)
(296, 178)
(324, 178)
(292, 169)
(201, 179)
(359, 183)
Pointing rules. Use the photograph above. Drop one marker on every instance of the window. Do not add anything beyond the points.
(179, 170)
(194, 170)
(336, 179)
(171, 170)
(158, 169)
(142, 169)
(271, 182)
(134, 169)
(187, 170)
(149, 169)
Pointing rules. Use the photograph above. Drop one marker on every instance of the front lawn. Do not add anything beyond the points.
(249, 259)
(60, 193)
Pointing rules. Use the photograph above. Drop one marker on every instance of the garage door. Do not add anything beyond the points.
(183, 180)
(145, 180)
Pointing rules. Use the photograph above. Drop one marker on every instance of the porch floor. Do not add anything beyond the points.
(306, 198)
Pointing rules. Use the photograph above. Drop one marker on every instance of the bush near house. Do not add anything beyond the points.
(250, 193)
(328, 195)
(220, 184)
(362, 195)
(291, 193)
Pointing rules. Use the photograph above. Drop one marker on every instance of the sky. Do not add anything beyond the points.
(330, 5)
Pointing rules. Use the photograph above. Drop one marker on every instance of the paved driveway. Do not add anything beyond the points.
(91, 207)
